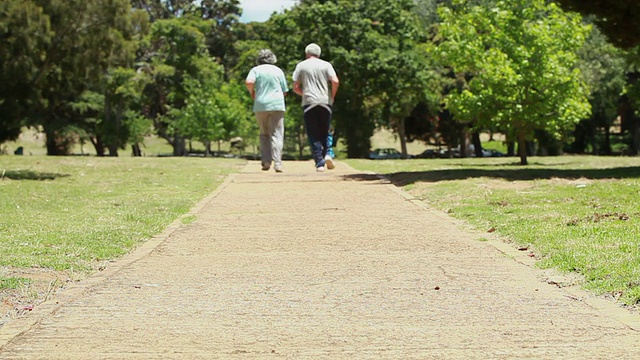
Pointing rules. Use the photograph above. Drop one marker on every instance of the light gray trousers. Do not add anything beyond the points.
(271, 137)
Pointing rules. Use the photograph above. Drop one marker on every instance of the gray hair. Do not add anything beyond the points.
(266, 56)
(313, 49)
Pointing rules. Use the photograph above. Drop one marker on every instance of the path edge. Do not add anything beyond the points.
(606, 307)
(21, 325)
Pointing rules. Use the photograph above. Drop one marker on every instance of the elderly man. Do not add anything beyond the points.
(268, 87)
(316, 81)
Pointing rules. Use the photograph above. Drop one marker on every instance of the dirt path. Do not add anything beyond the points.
(308, 265)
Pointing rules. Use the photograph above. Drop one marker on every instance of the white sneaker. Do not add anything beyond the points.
(329, 161)
(320, 169)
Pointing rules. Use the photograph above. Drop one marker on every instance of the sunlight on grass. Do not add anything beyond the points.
(73, 213)
(578, 213)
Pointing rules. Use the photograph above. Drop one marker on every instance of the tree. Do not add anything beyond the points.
(163, 9)
(522, 56)
(64, 47)
(212, 111)
(112, 114)
(174, 51)
(617, 18)
(372, 46)
(225, 17)
(24, 33)
(603, 67)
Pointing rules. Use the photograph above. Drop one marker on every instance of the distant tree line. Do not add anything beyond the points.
(111, 72)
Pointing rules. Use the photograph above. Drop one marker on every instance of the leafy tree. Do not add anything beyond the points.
(603, 67)
(112, 116)
(225, 17)
(175, 50)
(372, 46)
(522, 55)
(617, 18)
(66, 46)
(212, 111)
(163, 9)
(25, 32)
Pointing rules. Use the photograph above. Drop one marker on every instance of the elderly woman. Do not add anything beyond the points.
(268, 87)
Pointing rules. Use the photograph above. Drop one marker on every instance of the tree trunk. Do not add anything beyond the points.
(635, 136)
(135, 150)
(607, 141)
(57, 143)
(119, 141)
(511, 148)
(113, 150)
(464, 142)
(522, 149)
(98, 145)
(358, 137)
(477, 144)
(358, 129)
(403, 139)
(179, 146)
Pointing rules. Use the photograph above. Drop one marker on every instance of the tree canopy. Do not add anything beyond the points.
(520, 56)
(618, 19)
(112, 71)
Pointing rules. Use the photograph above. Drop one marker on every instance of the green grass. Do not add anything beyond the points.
(73, 213)
(578, 214)
(33, 144)
(13, 283)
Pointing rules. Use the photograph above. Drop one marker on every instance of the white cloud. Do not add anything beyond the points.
(261, 10)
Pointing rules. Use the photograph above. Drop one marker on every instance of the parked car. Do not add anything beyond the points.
(446, 154)
(489, 153)
(428, 154)
(495, 153)
(455, 153)
(384, 154)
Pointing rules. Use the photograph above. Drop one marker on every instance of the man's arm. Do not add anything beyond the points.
(335, 83)
(297, 88)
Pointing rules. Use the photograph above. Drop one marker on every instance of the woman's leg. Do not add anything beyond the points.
(265, 139)
(276, 127)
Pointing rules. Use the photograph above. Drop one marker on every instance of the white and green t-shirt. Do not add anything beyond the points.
(270, 86)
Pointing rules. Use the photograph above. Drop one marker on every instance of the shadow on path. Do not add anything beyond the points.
(506, 173)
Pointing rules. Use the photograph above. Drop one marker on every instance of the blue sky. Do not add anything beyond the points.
(261, 10)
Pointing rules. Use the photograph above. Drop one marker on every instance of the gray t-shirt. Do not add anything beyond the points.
(314, 75)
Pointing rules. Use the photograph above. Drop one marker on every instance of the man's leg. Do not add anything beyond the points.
(330, 155)
(330, 145)
(317, 124)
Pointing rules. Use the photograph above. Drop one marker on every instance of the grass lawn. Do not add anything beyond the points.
(576, 213)
(67, 216)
